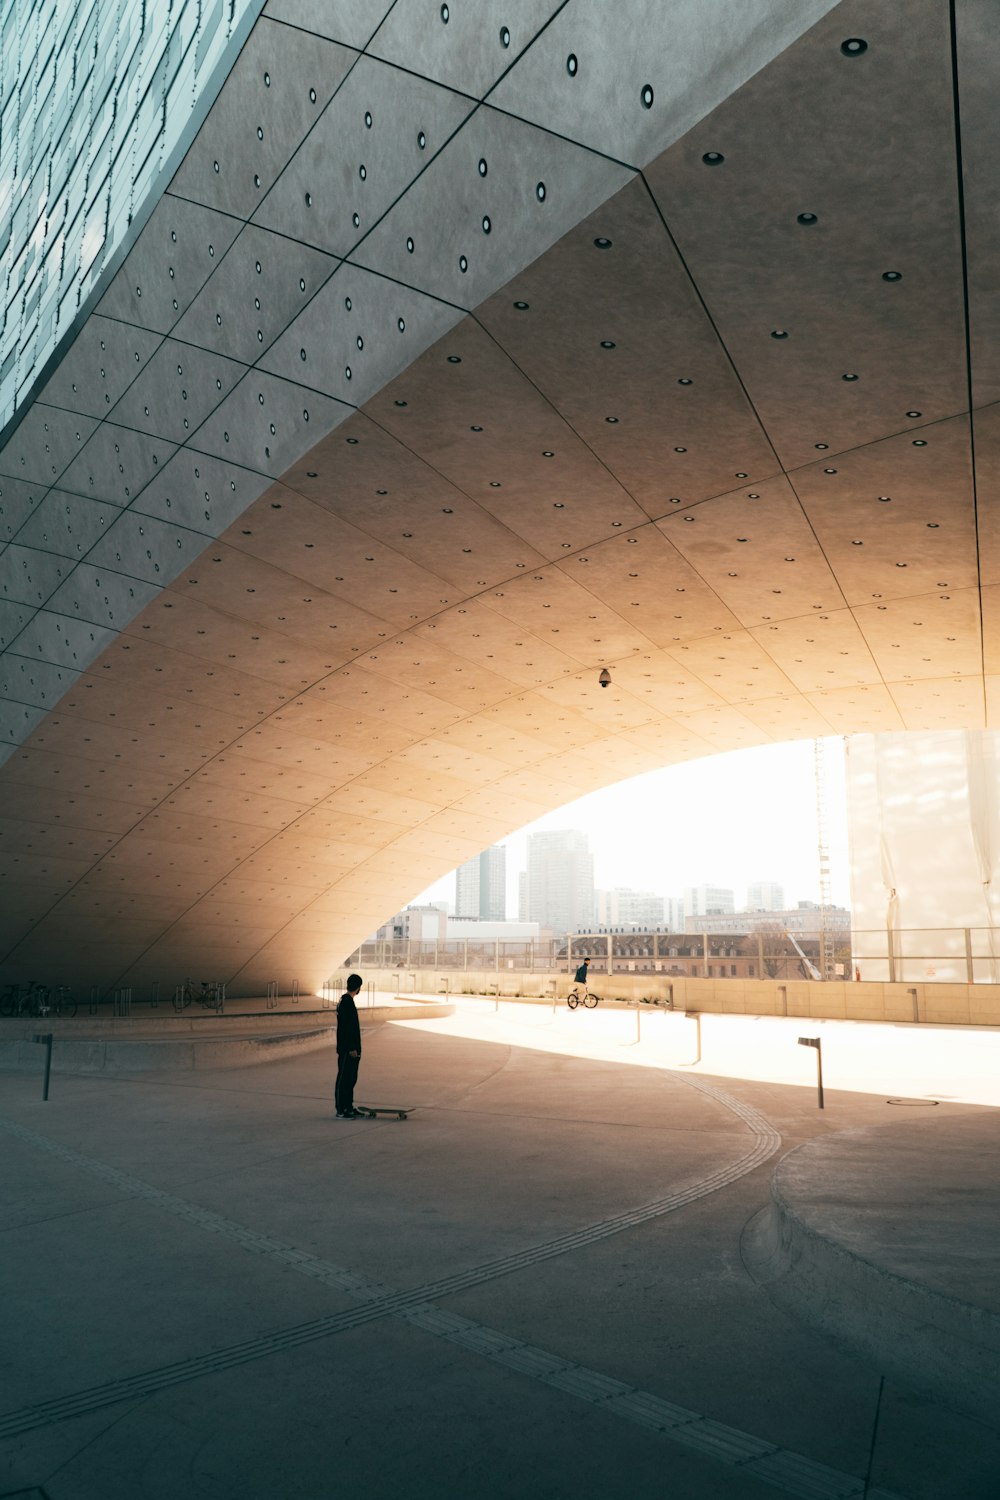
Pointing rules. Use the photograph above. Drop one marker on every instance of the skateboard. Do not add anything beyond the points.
(370, 1111)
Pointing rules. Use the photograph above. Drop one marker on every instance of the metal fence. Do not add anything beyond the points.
(945, 955)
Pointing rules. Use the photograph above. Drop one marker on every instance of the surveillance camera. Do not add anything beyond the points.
(605, 677)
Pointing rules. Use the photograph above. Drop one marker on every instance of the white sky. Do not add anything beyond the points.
(727, 820)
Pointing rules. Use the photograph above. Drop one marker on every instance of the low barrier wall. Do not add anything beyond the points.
(124, 1046)
(938, 1004)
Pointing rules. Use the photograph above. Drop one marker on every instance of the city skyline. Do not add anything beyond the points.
(744, 818)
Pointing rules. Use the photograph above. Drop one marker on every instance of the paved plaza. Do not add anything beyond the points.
(546, 1282)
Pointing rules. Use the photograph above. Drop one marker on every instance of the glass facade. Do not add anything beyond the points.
(97, 98)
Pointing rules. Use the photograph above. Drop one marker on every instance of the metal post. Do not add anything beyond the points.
(814, 1041)
(704, 955)
(891, 954)
(638, 1022)
(154, 994)
(496, 955)
(760, 954)
(611, 954)
(695, 1016)
(970, 968)
(783, 992)
(916, 1007)
(46, 1037)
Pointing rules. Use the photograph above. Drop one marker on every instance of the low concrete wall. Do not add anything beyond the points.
(124, 1045)
(939, 1004)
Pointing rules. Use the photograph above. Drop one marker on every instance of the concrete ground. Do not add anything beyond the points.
(534, 1286)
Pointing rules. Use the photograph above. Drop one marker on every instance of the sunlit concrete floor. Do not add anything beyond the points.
(534, 1286)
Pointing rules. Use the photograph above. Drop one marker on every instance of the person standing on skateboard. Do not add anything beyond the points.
(348, 1051)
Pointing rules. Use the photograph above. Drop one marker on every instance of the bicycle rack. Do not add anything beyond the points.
(123, 1001)
(272, 994)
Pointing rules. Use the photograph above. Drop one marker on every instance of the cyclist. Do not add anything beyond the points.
(580, 977)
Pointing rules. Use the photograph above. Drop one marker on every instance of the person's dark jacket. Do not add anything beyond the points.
(581, 975)
(348, 1025)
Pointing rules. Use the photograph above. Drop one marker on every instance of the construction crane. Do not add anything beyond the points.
(825, 955)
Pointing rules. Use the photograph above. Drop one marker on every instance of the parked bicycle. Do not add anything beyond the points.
(210, 995)
(582, 997)
(33, 999)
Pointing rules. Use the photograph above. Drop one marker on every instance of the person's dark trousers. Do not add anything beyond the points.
(347, 1077)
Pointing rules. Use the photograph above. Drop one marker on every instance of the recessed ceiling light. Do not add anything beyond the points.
(713, 158)
(602, 243)
(854, 46)
(807, 218)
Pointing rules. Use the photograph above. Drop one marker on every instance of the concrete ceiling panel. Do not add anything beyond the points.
(282, 81)
(265, 423)
(17, 720)
(38, 683)
(610, 315)
(833, 654)
(986, 425)
(587, 74)
(865, 709)
(467, 47)
(441, 673)
(735, 666)
(645, 578)
(314, 545)
(200, 492)
(67, 524)
(44, 443)
(659, 677)
(18, 499)
(787, 718)
(28, 576)
(480, 635)
(586, 628)
(103, 362)
(53, 636)
(938, 703)
(535, 188)
(475, 418)
(352, 22)
(190, 625)
(758, 553)
(356, 334)
(927, 636)
(173, 257)
(179, 388)
(146, 548)
(724, 728)
(13, 619)
(979, 84)
(116, 464)
(258, 288)
(100, 596)
(899, 343)
(348, 172)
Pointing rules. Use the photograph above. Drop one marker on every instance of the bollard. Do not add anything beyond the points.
(46, 1037)
(814, 1041)
(638, 1023)
(295, 992)
(154, 994)
(695, 1016)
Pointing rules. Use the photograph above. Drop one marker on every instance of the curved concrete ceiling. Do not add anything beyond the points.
(728, 427)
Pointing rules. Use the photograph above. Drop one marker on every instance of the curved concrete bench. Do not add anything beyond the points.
(885, 1237)
(144, 1047)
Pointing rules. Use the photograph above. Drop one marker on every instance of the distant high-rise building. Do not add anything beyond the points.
(765, 895)
(481, 885)
(623, 907)
(708, 900)
(560, 880)
(522, 897)
(673, 913)
(467, 888)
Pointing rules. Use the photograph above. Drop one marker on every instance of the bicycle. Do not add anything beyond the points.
(586, 997)
(208, 996)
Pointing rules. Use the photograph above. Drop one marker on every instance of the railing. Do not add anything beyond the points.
(944, 955)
